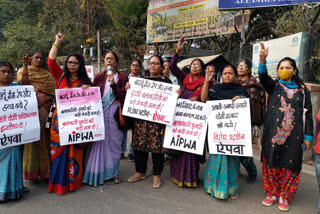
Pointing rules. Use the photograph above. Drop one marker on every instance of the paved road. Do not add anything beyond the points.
(141, 198)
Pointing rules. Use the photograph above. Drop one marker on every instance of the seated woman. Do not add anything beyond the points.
(36, 159)
(148, 136)
(66, 161)
(222, 172)
(11, 182)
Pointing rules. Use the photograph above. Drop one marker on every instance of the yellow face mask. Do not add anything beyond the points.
(285, 74)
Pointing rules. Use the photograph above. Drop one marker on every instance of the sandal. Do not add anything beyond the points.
(25, 189)
(137, 177)
(156, 181)
(117, 180)
(234, 197)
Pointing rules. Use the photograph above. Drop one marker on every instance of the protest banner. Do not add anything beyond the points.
(188, 131)
(168, 20)
(229, 127)
(80, 115)
(243, 4)
(19, 118)
(150, 100)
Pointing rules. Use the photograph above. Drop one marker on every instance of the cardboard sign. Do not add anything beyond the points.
(80, 115)
(150, 100)
(188, 131)
(229, 127)
(19, 118)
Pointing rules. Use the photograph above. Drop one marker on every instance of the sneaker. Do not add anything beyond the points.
(251, 179)
(269, 201)
(283, 204)
(131, 157)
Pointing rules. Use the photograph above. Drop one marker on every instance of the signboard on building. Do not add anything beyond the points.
(244, 4)
(168, 20)
(289, 46)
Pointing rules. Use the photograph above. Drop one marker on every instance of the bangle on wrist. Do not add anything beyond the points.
(55, 45)
(25, 74)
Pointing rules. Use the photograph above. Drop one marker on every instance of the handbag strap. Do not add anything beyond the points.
(62, 75)
(53, 106)
(304, 96)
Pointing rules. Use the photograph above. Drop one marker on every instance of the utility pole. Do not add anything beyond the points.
(99, 51)
(243, 34)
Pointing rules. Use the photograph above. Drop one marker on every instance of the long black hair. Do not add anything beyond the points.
(82, 73)
(295, 77)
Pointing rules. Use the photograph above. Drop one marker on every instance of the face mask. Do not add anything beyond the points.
(285, 74)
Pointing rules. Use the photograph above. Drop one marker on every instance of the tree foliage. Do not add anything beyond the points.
(35, 26)
(27, 25)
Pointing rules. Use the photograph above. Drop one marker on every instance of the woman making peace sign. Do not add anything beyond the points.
(284, 134)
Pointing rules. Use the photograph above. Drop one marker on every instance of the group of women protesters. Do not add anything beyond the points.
(288, 127)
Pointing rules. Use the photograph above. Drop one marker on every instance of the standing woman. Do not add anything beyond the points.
(257, 106)
(103, 157)
(184, 165)
(11, 182)
(36, 161)
(148, 136)
(222, 172)
(135, 71)
(66, 161)
(317, 155)
(284, 135)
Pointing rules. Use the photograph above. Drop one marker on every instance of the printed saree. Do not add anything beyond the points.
(66, 161)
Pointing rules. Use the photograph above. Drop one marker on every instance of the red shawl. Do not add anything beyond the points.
(194, 85)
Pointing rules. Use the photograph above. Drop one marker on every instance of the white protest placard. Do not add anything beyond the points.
(150, 100)
(19, 118)
(188, 131)
(80, 115)
(229, 127)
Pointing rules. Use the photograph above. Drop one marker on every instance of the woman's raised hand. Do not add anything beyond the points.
(209, 75)
(59, 38)
(180, 45)
(263, 53)
(26, 60)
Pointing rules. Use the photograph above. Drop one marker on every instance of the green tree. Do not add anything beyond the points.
(35, 28)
